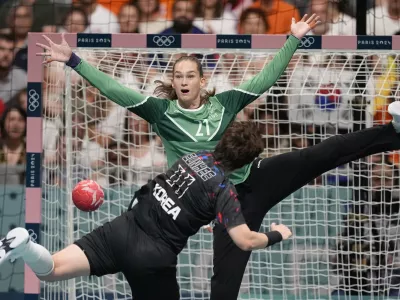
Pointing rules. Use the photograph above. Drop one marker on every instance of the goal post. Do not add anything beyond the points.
(73, 132)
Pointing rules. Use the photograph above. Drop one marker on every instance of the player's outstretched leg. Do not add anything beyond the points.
(288, 172)
(273, 179)
(68, 263)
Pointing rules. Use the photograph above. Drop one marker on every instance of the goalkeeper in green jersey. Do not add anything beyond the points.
(188, 119)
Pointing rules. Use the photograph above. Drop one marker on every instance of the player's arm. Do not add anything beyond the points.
(235, 100)
(149, 108)
(229, 214)
(248, 240)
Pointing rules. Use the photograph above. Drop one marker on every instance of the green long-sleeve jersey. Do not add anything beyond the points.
(184, 131)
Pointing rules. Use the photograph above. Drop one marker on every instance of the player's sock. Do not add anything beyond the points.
(18, 244)
(394, 110)
(39, 259)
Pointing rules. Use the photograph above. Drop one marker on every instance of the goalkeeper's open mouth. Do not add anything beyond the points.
(184, 91)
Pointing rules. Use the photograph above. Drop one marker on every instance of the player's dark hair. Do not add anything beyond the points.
(240, 145)
(165, 90)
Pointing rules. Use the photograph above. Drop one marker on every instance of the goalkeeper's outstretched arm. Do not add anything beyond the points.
(248, 240)
(238, 98)
(148, 108)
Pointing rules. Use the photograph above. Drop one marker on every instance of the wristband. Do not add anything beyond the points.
(273, 237)
(73, 61)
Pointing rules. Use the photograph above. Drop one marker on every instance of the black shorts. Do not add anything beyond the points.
(122, 246)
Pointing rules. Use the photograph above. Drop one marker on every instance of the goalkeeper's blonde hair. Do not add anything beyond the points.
(165, 89)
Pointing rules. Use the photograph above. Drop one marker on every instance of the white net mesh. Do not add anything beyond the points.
(344, 222)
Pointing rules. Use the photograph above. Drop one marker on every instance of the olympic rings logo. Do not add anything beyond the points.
(32, 235)
(307, 42)
(33, 100)
(163, 40)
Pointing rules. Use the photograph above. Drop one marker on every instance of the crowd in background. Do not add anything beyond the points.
(116, 148)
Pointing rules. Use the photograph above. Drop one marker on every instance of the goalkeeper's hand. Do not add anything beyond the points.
(301, 28)
(55, 52)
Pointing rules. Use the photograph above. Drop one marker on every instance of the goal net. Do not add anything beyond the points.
(345, 222)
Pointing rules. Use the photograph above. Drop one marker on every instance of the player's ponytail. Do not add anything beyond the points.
(166, 91)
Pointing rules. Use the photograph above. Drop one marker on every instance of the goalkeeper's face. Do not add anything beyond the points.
(188, 83)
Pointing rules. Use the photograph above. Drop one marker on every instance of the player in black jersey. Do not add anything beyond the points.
(143, 243)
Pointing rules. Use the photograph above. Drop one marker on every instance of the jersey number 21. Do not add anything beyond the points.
(200, 129)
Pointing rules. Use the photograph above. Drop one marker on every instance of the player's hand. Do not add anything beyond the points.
(282, 229)
(301, 28)
(208, 228)
(55, 52)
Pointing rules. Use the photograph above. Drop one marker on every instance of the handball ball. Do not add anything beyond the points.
(88, 195)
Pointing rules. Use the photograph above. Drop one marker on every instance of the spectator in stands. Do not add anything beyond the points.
(128, 18)
(13, 133)
(54, 172)
(212, 18)
(253, 21)
(279, 15)
(382, 86)
(137, 158)
(46, 12)
(101, 20)
(53, 100)
(112, 5)
(226, 74)
(20, 99)
(238, 6)
(13, 146)
(146, 155)
(74, 21)
(384, 180)
(384, 19)
(152, 19)
(367, 254)
(12, 79)
(106, 119)
(298, 137)
(19, 22)
(115, 170)
(183, 16)
(301, 5)
(333, 19)
(276, 142)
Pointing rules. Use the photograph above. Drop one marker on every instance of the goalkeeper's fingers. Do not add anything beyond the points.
(47, 61)
(63, 40)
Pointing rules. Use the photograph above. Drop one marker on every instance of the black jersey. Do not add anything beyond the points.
(192, 193)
